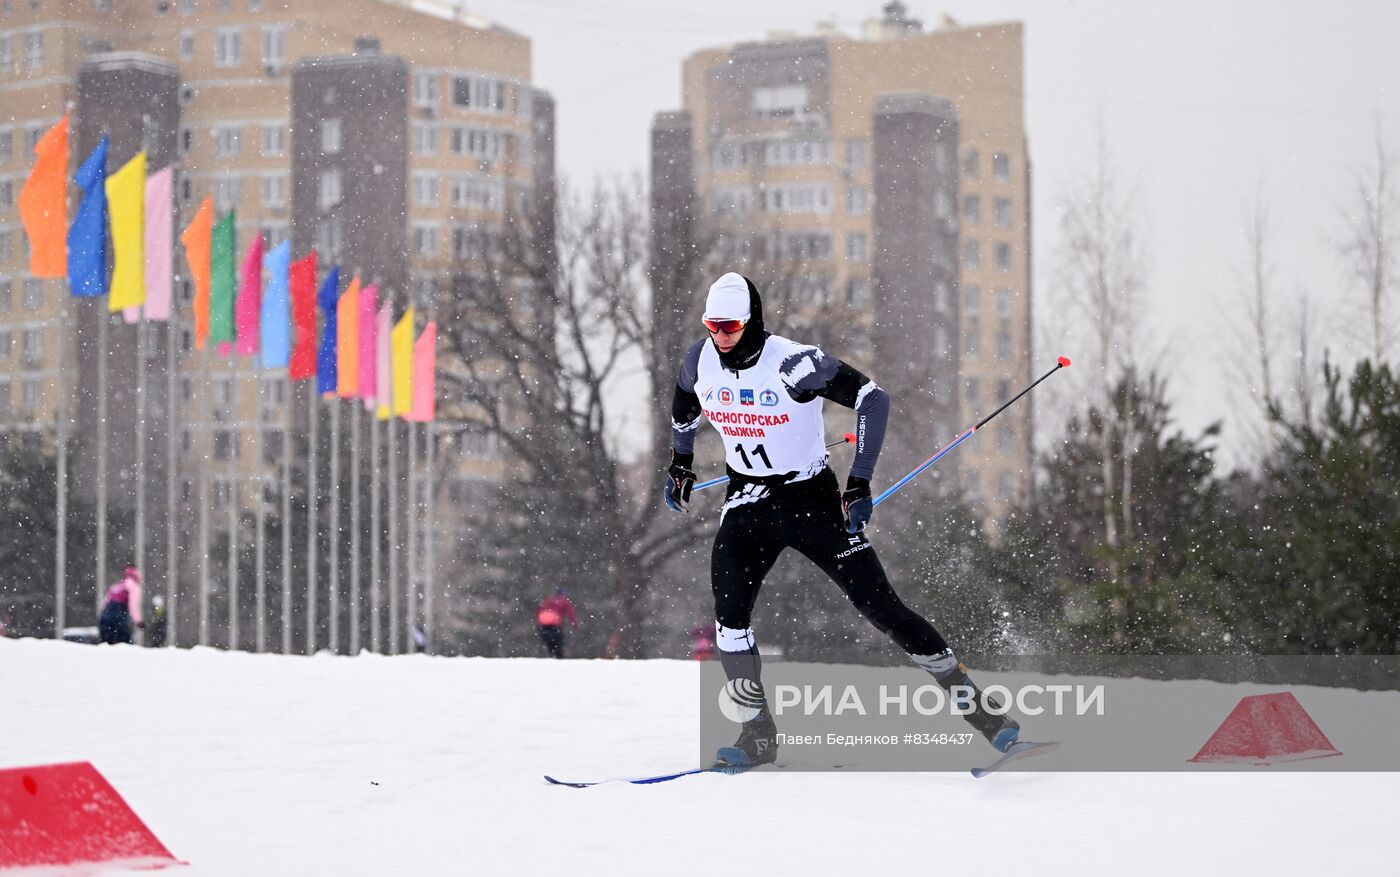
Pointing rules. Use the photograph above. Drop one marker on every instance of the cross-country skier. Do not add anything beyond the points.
(764, 393)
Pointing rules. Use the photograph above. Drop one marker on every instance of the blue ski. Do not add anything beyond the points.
(646, 781)
(1024, 749)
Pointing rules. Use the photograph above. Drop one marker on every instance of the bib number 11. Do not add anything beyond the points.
(757, 452)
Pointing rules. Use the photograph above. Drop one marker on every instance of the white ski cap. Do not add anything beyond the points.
(728, 299)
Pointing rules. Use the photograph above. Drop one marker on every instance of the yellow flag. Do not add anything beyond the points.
(126, 201)
(403, 365)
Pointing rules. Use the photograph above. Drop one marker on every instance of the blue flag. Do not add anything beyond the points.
(276, 341)
(87, 236)
(329, 296)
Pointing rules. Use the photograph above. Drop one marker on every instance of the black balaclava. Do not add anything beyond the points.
(750, 347)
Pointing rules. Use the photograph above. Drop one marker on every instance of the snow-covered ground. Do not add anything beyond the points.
(263, 765)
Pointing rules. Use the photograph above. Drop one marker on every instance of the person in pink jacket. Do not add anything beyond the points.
(549, 621)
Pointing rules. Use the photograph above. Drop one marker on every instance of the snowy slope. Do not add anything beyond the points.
(258, 764)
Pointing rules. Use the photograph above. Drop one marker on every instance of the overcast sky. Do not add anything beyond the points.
(1203, 104)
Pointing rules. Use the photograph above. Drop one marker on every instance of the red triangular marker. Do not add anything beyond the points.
(1266, 729)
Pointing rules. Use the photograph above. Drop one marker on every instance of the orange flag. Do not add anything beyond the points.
(197, 238)
(42, 206)
(347, 366)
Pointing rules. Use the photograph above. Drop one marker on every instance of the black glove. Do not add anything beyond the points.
(856, 504)
(679, 480)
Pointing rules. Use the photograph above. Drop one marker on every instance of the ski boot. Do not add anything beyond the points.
(1001, 731)
(757, 744)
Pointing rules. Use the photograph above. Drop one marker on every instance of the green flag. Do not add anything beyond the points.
(221, 281)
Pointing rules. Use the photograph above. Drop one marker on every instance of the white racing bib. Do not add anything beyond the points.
(765, 431)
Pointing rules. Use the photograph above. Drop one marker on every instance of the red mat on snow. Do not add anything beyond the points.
(1266, 729)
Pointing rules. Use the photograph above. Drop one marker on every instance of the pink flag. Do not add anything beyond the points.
(158, 243)
(381, 359)
(424, 361)
(369, 304)
(248, 307)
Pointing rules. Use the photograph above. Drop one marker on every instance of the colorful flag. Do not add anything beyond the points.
(277, 308)
(369, 306)
(246, 309)
(347, 327)
(382, 367)
(158, 244)
(424, 380)
(87, 237)
(403, 365)
(327, 354)
(221, 282)
(303, 284)
(126, 208)
(43, 206)
(196, 238)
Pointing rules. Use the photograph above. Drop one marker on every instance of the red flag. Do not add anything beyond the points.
(42, 206)
(303, 364)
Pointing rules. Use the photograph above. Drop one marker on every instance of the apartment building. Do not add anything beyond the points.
(878, 187)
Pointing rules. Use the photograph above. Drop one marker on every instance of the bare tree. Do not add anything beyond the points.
(1372, 237)
(534, 349)
(1251, 348)
(1100, 272)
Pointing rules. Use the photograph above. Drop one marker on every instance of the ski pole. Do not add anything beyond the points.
(1062, 362)
(848, 438)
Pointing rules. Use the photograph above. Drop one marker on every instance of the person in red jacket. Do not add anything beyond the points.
(549, 619)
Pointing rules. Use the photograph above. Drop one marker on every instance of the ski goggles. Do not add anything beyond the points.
(728, 327)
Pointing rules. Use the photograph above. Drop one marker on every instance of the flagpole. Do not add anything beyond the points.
(412, 530)
(313, 414)
(393, 543)
(207, 415)
(333, 540)
(60, 578)
(287, 516)
(141, 406)
(430, 532)
(260, 540)
(233, 493)
(102, 318)
(376, 598)
(171, 471)
(355, 418)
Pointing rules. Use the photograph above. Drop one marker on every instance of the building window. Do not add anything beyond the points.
(274, 140)
(227, 192)
(31, 347)
(186, 191)
(972, 299)
(187, 7)
(425, 89)
(971, 333)
(226, 142)
(7, 194)
(34, 50)
(970, 162)
(275, 191)
(943, 204)
(6, 249)
(187, 44)
(1003, 343)
(162, 8)
(225, 444)
(272, 446)
(330, 188)
(7, 52)
(1003, 257)
(942, 157)
(7, 142)
(424, 139)
(330, 136)
(328, 236)
(1003, 212)
(4, 287)
(6, 346)
(1003, 303)
(33, 294)
(32, 395)
(1001, 166)
(424, 291)
(228, 48)
(778, 101)
(857, 292)
(425, 240)
(856, 247)
(274, 48)
(857, 154)
(972, 394)
(425, 190)
(1004, 486)
(32, 136)
(857, 200)
(5, 409)
(972, 209)
(972, 254)
(186, 140)
(479, 93)
(942, 297)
